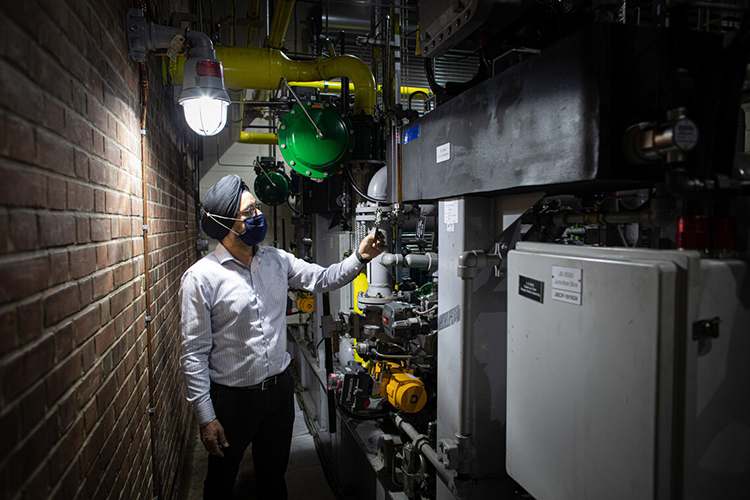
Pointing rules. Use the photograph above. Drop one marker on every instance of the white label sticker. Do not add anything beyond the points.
(451, 212)
(569, 297)
(567, 278)
(450, 228)
(444, 152)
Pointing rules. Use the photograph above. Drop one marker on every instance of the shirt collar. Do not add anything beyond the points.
(223, 255)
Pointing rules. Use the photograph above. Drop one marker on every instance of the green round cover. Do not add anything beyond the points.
(273, 191)
(307, 153)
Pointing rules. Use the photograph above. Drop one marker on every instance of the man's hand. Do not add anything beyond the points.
(372, 245)
(212, 435)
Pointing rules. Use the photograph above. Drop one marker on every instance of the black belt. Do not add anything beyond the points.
(263, 386)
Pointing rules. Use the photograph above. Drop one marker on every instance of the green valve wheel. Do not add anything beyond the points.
(272, 188)
(305, 150)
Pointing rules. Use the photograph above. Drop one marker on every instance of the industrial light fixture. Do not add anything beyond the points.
(204, 98)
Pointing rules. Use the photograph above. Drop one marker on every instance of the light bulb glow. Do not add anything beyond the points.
(206, 116)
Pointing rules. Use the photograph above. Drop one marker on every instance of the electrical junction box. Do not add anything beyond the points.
(612, 390)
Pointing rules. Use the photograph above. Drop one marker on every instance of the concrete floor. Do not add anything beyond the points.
(304, 477)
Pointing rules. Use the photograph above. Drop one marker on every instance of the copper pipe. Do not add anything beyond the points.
(149, 349)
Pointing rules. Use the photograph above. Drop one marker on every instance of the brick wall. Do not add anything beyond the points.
(74, 388)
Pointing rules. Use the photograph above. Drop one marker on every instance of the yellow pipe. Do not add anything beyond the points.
(258, 138)
(280, 22)
(253, 68)
(335, 87)
(252, 15)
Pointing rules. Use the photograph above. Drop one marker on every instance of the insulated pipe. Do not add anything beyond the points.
(422, 444)
(427, 261)
(253, 68)
(258, 138)
(469, 265)
(280, 22)
(335, 87)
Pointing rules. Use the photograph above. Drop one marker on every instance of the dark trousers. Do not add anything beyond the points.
(263, 418)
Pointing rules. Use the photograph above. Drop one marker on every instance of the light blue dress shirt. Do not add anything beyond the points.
(234, 318)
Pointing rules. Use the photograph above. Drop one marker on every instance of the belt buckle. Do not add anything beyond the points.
(267, 383)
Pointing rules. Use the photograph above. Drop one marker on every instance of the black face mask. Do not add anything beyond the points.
(255, 230)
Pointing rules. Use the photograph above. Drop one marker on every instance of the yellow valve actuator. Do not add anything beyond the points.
(305, 304)
(406, 392)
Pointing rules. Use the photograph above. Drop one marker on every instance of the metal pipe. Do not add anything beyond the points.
(280, 22)
(254, 68)
(335, 87)
(422, 444)
(258, 138)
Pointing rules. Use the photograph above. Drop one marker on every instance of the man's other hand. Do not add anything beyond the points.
(372, 245)
(212, 436)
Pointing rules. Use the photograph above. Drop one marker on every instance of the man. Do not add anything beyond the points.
(234, 339)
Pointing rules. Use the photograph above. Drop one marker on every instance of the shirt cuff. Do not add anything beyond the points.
(204, 412)
(361, 259)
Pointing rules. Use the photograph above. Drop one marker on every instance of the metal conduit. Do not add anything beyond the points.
(422, 444)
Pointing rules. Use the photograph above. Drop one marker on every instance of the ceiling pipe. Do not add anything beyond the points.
(335, 87)
(254, 68)
(280, 22)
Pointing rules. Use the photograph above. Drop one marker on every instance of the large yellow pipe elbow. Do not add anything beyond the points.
(258, 138)
(253, 68)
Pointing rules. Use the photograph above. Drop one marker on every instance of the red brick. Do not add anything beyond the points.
(27, 366)
(56, 194)
(85, 291)
(81, 161)
(125, 229)
(80, 197)
(90, 450)
(104, 338)
(89, 385)
(54, 115)
(118, 204)
(63, 377)
(58, 267)
(88, 355)
(30, 318)
(10, 422)
(101, 257)
(90, 416)
(19, 94)
(102, 284)
(111, 152)
(101, 173)
(123, 274)
(22, 187)
(83, 230)
(120, 300)
(57, 229)
(100, 229)
(60, 304)
(115, 252)
(87, 324)
(106, 395)
(97, 143)
(82, 261)
(17, 140)
(63, 340)
(23, 233)
(8, 326)
(27, 458)
(22, 276)
(77, 130)
(32, 408)
(66, 449)
(99, 204)
(54, 153)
